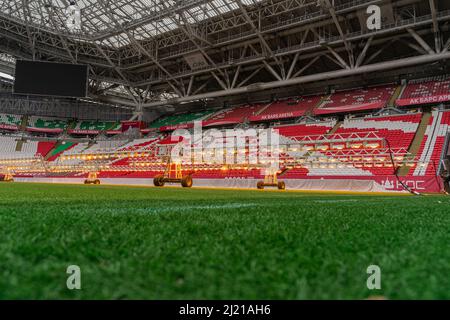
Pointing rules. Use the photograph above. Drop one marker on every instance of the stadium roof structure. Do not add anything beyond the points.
(147, 53)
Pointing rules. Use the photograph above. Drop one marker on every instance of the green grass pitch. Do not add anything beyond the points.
(148, 243)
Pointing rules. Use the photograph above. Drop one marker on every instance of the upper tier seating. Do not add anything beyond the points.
(47, 123)
(180, 119)
(233, 115)
(117, 127)
(433, 142)
(94, 125)
(425, 91)
(287, 109)
(357, 100)
(10, 121)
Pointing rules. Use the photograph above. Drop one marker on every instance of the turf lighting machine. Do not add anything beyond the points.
(271, 180)
(92, 178)
(173, 174)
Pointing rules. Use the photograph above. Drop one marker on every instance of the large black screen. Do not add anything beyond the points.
(51, 79)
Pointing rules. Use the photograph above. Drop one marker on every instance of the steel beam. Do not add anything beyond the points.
(311, 78)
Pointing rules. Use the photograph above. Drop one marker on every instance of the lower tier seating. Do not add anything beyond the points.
(433, 142)
(13, 147)
(298, 131)
(398, 130)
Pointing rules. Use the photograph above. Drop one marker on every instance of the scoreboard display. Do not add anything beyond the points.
(51, 79)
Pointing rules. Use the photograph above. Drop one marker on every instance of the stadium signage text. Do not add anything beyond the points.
(284, 115)
(391, 185)
(78, 131)
(423, 100)
(417, 184)
(176, 127)
(8, 127)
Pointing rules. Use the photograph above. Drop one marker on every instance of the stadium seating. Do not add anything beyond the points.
(399, 130)
(426, 91)
(74, 149)
(10, 121)
(136, 145)
(92, 127)
(233, 115)
(433, 142)
(46, 124)
(286, 109)
(115, 129)
(306, 129)
(44, 147)
(357, 100)
(29, 149)
(180, 118)
(60, 149)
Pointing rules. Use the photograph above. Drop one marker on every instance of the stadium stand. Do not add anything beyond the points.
(92, 127)
(73, 149)
(297, 131)
(177, 119)
(431, 148)
(426, 91)
(115, 129)
(44, 147)
(60, 149)
(356, 100)
(46, 124)
(286, 109)
(234, 115)
(136, 145)
(13, 147)
(10, 121)
(398, 129)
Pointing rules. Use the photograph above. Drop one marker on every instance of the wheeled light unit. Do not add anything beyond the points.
(92, 178)
(173, 174)
(6, 178)
(271, 180)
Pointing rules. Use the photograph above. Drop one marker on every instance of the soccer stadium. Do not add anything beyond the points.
(224, 149)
